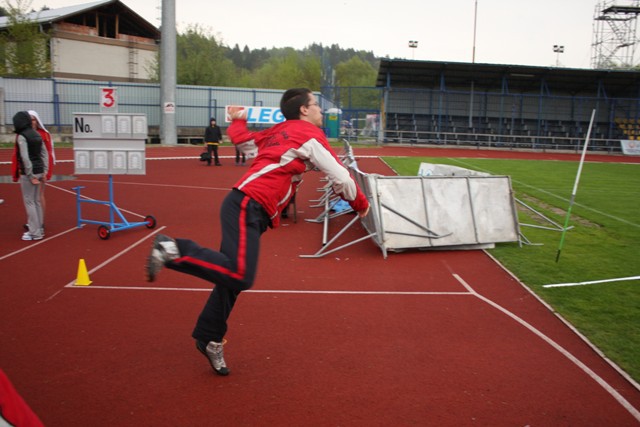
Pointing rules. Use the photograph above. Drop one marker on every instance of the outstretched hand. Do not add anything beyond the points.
(236, 112)
(363, 213)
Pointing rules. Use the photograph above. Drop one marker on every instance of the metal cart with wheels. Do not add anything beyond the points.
(106, 228)
(110, 144)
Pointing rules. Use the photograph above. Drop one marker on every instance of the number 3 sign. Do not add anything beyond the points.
(108, 100)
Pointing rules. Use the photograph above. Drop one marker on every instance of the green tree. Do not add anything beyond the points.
(355, 78)
(355, 72)
(235, 55)
(254, 59)
(201, 60)
(287, 69)
(153, 68)
(24, 49)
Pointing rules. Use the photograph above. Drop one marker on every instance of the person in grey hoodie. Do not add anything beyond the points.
(30, 166)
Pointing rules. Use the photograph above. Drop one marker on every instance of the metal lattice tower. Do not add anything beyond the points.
(614, 34)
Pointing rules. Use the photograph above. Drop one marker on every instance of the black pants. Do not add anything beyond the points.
(232, 269)
(238, 155)
(213, 153)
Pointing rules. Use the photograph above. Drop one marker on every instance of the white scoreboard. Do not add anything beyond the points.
(109, 143)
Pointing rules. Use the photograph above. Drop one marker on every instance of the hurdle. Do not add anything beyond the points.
(327, 201)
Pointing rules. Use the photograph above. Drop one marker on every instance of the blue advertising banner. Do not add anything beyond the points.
(260, 115)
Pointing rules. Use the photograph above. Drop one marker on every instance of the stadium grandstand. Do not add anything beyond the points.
(427, 102)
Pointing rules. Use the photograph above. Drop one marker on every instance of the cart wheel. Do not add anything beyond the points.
(103, 232)
(150, 220)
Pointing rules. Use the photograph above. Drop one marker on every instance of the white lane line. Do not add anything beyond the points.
(470, 291)
(93, 200)
(150, 184)
(118, 255)
(267, 291)
(71, 284)
(633, 411)
(592, 282)
(37, 243)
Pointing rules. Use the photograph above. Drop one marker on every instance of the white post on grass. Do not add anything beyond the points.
(575, 185)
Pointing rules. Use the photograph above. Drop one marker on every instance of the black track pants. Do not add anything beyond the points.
(232, 269)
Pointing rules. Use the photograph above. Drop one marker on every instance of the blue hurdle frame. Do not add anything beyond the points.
(112, 225)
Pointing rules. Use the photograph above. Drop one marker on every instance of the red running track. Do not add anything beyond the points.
(420, 338)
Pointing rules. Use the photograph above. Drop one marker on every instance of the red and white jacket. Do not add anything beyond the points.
(285, 152)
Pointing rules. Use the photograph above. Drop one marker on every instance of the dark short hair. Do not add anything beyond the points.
(292, 100)
(213, 119)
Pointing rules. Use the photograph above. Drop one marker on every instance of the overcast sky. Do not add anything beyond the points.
(507, 31)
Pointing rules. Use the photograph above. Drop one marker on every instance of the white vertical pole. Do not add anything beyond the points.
(575, 185)
(473, 61)
(475, 20)
(168, 133)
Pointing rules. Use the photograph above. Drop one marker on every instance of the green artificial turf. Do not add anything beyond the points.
(601, 245)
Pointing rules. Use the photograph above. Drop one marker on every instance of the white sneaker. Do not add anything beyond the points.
(29, 236)
(163, 250)
(214, 352)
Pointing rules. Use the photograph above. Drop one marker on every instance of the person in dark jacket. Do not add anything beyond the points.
(240, 156)
(30, 166)
(212, 139)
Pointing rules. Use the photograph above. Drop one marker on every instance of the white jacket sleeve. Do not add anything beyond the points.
(326, 161)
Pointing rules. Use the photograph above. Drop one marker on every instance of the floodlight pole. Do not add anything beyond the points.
(558, 49)
(575, 185)
(473, 61)
(475, 20)
(413, 44)
(168, 79)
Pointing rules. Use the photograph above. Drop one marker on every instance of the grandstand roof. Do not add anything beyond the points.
(400, 73)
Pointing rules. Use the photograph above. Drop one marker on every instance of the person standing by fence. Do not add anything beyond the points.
(241, 157)
(212, 139)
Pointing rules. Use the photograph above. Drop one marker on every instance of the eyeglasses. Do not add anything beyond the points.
(314, 103)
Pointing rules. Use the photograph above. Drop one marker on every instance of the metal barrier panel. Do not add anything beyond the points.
(443, 212)
(438, 212)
